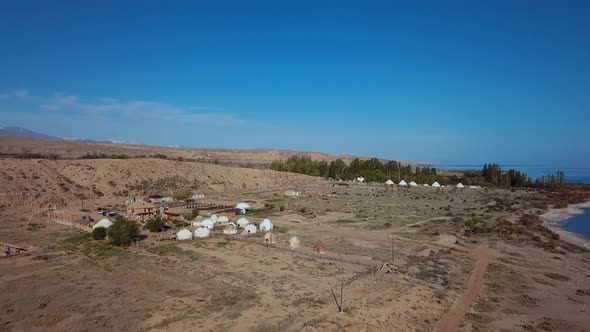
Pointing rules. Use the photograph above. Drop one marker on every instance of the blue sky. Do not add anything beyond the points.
(443, 81)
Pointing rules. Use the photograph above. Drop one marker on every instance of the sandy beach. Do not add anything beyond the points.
(555, 218)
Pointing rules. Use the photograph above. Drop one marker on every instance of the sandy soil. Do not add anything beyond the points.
(462, 260)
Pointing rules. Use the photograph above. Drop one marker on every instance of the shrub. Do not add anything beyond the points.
(122, 232)
(99, 233)
(155, 225)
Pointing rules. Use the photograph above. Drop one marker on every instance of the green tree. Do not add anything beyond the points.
(155, 225)
(99, 233)
(122, 232)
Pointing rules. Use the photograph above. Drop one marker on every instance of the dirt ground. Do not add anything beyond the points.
(459, 263)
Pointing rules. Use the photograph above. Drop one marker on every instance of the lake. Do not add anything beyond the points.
(573, 174)
(579, 224)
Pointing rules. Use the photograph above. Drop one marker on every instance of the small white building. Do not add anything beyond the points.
(222, 221)
(389, 182)
(270, 238)
(243, 222)
(436, 185)
(104, 223)
(243, 207)
(230, 229)
(413, 184)
(403, 183)
(266, 225)
(473, 187)
(184, 234)
(294, 242)
(249, 229)
(208, 223)
(426, 185)
(202, 232)
(292, 192)
(460, 185)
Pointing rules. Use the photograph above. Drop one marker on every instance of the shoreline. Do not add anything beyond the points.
(554, 219)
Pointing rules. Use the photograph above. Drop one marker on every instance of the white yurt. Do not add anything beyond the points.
(249, 229)
(105, 223)
(426, 185)
(230, 230)
(242, 206)
(270, 238)
(223, 219)
(213, 217)
(232, 224)
(266, 225)
(197, 223)
(389, 183)
(243, 222)
(413, 184)
(403, 183)
(294, 242)
(184, 234)
(208, 223)
(202, 232)
(436, 185)
(460, 185)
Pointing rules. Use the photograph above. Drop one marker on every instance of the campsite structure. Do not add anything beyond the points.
(403, 183)
(436, 185)
(319, 248)
(105, 223)
(249, 229)
(231, 229)
(208, 223)
(243, 207)
(141, 210)
(266, 225)
(184, 234)
(202, 232)
(243, 222)
(270, 238)
(389, 182)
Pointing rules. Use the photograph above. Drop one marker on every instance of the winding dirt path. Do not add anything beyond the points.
(473, 287)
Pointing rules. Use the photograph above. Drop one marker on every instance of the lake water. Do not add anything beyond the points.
(579, 224)
(576, 174)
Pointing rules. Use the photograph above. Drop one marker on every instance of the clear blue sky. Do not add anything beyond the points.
(443, 81)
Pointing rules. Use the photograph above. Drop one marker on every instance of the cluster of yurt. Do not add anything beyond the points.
(205, 225)
(403, 183)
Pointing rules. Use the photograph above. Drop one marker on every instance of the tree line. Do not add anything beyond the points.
(495, 177)
(375, 170)
(372, 170)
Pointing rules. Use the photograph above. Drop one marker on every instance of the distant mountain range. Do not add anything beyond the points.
(25, 133)
(28, 133)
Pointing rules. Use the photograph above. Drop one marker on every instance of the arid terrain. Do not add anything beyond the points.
(73, 149)
(409, 259)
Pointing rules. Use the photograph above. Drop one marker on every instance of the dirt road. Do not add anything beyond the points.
(453, 318)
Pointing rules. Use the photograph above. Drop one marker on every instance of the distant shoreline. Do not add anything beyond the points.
(555, 218)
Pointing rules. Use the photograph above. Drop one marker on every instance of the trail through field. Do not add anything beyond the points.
(453, 318)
